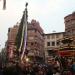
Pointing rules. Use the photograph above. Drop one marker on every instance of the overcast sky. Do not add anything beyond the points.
(50, 14)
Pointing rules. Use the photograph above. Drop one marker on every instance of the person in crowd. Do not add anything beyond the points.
(73, 68)
(50, 67)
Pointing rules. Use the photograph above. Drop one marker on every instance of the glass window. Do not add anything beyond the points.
(73, 21)
(57, 36)
(31, 43)
(53, 36)
(48, 43)
(53, 43)
(48, 37)
(57, 43)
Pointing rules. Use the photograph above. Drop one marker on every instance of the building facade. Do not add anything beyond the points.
(68, 42)
(35, 41)
(70, 24)
(52, 44)
(12, 32)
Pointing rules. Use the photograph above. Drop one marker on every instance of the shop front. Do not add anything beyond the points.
(67, 53)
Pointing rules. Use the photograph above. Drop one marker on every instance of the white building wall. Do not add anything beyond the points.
(53, 37)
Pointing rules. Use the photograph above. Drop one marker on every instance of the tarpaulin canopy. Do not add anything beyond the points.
(67, 53)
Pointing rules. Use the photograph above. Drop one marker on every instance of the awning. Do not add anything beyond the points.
(67, 53)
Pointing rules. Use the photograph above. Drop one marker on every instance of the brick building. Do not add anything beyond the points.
(12, 32)
(35, 40)
(68, 42)
(69, 21)
(70, 25)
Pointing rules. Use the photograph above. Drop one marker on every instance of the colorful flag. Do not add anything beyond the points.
(25, 34)
(21, 38)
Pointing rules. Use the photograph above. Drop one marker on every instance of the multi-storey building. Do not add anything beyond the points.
(51, 44)
(70, 27)
(70, 24)
(12, 32)
(35, 40)
(68, 42)
(37, 43)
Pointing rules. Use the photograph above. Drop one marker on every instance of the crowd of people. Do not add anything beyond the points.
(53, 67)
